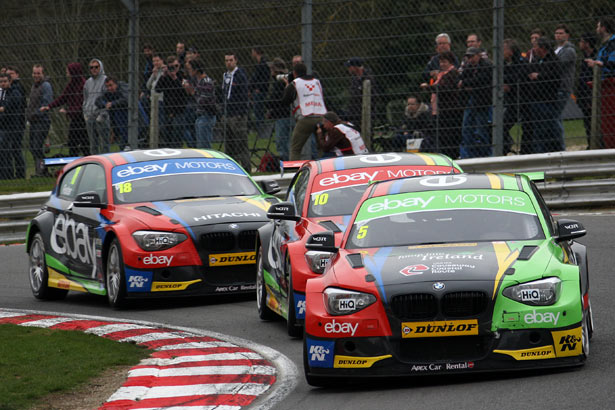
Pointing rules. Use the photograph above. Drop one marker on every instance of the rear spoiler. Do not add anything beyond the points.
(291, 165)
(50, 162)
(534, 176)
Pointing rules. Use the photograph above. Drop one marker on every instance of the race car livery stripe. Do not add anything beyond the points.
(374, 265)
(495, 181)
(178, 381)
(505, 258)
(396, 186)
(204, 153)
(167, 211)
(339, 164)
(427, 158)
(57, 280)
(77, 171)
(270, 281)
(115, 159)
(128, 157)
(257, 202)
(536, 353)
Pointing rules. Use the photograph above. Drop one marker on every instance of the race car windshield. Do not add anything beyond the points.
(444, 226)
(182, 186)
(333, 202)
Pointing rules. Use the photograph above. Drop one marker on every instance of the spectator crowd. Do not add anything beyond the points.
(180, 104)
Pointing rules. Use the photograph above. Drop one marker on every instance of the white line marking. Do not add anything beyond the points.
(150, 337)
(157, 392)
(119, 327)
(201, 371)
(200, 358)
(195, 345)
(48, 322)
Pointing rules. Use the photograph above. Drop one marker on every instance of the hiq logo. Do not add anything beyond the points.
(320, 353)
(300, 306)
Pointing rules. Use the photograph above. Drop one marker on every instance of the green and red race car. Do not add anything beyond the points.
(448, 274)
(322, 196)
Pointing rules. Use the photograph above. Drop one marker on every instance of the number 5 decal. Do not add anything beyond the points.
(362, 232)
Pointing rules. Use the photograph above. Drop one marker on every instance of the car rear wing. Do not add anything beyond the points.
(291, 165)
(534, 176)
(50, 162)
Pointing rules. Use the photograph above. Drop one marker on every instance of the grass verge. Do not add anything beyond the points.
(35, 362)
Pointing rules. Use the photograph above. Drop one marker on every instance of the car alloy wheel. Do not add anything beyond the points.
(116, 286)
(38, 273)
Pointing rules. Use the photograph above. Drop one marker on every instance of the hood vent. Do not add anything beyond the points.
(330, 226)
(148, 210)
(527, 252)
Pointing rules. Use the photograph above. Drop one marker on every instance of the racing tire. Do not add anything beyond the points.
(38, 273)
(115, 277)
(264, 313)
(586, 331)
(294, 330)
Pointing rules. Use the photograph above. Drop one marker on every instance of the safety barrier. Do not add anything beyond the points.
(578, 179)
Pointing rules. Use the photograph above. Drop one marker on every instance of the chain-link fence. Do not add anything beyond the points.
(506, 77)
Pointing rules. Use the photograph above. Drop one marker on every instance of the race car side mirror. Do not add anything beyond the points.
(322, 241)
(88, 200)
(283, 210)
(270, 186)
(568, 229)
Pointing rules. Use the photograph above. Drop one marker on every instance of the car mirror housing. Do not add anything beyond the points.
(568, 229)
(270, 186)
(283, 210)
(322, 241)
(88, 200)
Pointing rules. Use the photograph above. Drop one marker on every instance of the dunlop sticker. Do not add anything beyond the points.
(170, 286)
(439, 328)
(536, 353)
(351, 362)
(225, 259)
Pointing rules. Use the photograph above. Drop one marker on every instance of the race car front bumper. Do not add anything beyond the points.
(389, 356)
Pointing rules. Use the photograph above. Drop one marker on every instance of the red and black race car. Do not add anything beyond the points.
(152, 223)
(322, 196)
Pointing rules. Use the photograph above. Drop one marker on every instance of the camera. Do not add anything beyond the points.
(281, 77)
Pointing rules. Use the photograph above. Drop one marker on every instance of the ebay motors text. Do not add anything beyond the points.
(441, 328)
(419, 202)
(365, 177)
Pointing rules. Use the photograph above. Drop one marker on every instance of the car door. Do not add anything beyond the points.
(73, 239)
(285, 231)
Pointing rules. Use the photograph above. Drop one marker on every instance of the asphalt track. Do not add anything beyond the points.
(589, 387)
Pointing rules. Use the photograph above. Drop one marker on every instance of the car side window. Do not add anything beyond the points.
(299, 190)
(544, 209)
(93, 180)
(68, 185)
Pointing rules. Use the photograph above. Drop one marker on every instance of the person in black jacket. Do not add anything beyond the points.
(170, 84)
(514, 70)
(475, 80)
(235, 108)
(587, 45)
(545, 77)
(277, 111)
(13, 110)
(115, 100)
(417, 124)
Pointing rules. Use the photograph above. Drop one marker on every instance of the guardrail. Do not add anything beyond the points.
(578, 179)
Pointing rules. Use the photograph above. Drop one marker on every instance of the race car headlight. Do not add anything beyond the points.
(537, 293)
(345, 302)
(158, 241)
(318, 261)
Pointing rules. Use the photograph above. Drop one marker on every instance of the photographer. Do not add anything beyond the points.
(277, 111)
(337, 138)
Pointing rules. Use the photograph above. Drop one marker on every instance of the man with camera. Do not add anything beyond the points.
(171, 85)
(277, 111)
(305, 94)
(337, 138)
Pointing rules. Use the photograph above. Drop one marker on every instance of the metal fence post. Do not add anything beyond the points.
(595, 139)
(306, 34)
(498, 78)
(366, 114)
(133, 68)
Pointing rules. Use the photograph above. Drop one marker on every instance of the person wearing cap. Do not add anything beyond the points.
(475, 81)
(308, 106)
(337, 138)
(358, 75)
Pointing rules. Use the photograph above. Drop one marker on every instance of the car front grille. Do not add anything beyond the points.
(444, 348)
(218, 241)
(415, 306)
(246, 240)
(461, 304)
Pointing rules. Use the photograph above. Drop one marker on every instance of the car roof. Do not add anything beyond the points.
(388, 159)
(125, 157)
(449, 182)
